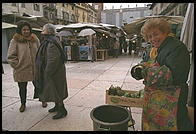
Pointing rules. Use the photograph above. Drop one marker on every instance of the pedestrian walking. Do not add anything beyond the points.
(74, 50)
(130, 47)
(94, 41)
(116, 48)
(165, 79)
(21, 57)
(50, 77)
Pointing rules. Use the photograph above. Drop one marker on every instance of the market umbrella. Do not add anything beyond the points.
(86, 32)
(64, 33)
(135, 26)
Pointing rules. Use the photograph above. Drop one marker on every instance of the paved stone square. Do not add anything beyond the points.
(87, 83)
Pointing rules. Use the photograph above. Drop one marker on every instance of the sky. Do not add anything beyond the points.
(123, 5)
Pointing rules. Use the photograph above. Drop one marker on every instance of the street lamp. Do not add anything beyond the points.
(120, 19)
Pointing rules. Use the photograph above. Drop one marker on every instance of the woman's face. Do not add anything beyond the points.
(156, 37)
(25, 31)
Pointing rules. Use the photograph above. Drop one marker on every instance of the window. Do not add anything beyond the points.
(23, 5)
(96, 7)
(46, 14)
(184, 9)
(172, 14)
(176, 11)
(36, 7)
(65, 16)
(14, 4)
(83, 17)
(161, 5)
(51, 16)
(73, 18)
(51, 5)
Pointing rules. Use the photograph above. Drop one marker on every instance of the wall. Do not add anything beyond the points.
(114, 17)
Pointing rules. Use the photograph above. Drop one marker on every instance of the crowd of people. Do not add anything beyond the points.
(162, 68)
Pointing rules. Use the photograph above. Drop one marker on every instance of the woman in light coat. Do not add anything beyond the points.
(21, 57)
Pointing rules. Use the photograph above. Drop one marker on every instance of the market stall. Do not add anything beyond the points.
(134, 27)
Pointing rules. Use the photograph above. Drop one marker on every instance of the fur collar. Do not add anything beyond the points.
(21, 38)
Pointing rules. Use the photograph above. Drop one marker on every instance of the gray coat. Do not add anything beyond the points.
(54, 77)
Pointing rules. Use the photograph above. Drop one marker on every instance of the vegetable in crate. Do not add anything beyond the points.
(127, 94)
(112, 90)
(137, 95)
(141, 93)
(120, 92)
(118, 88)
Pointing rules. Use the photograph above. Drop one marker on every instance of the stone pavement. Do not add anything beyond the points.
(87, 83)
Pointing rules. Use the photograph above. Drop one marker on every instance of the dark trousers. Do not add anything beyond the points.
(23, 91)
(116, 52)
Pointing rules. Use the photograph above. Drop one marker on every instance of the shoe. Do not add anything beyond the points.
(44, 104)
(22, 108)
(61, 112)
(54, 109)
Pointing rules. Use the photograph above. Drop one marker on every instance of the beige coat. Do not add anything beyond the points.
(21, 57)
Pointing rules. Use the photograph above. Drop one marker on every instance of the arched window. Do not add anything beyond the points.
(73, 19)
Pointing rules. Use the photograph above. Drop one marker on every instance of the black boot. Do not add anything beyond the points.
(61, 112)
(54, 109)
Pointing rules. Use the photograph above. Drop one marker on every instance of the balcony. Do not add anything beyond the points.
(50, 6)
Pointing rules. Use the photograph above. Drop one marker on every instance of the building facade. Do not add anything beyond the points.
(50, 12)
(171, 9)
(92, 14)
(35, 9)
(66, 13)
(56, 13)
(99, 8)
(121, 17)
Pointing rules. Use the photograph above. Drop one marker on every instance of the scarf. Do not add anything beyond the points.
(153, 53)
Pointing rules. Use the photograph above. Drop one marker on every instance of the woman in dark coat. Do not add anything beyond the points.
(171, 54)
(50, 72)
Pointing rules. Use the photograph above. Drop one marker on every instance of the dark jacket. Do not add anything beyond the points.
(174, 54)
(53, 72)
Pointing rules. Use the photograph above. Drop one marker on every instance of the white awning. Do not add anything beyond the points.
(8, 25)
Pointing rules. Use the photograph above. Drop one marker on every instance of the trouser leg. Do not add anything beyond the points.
(22, 91)
(35, 91)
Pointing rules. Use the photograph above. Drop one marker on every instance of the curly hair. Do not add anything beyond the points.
(21, 24)
(152, 23)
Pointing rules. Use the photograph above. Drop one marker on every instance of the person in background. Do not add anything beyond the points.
(21, 57)
(130, 47)
(94, 52)
(146, 55)
(165, 79)
(74, 50)
(50, 76)
(116, 48)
